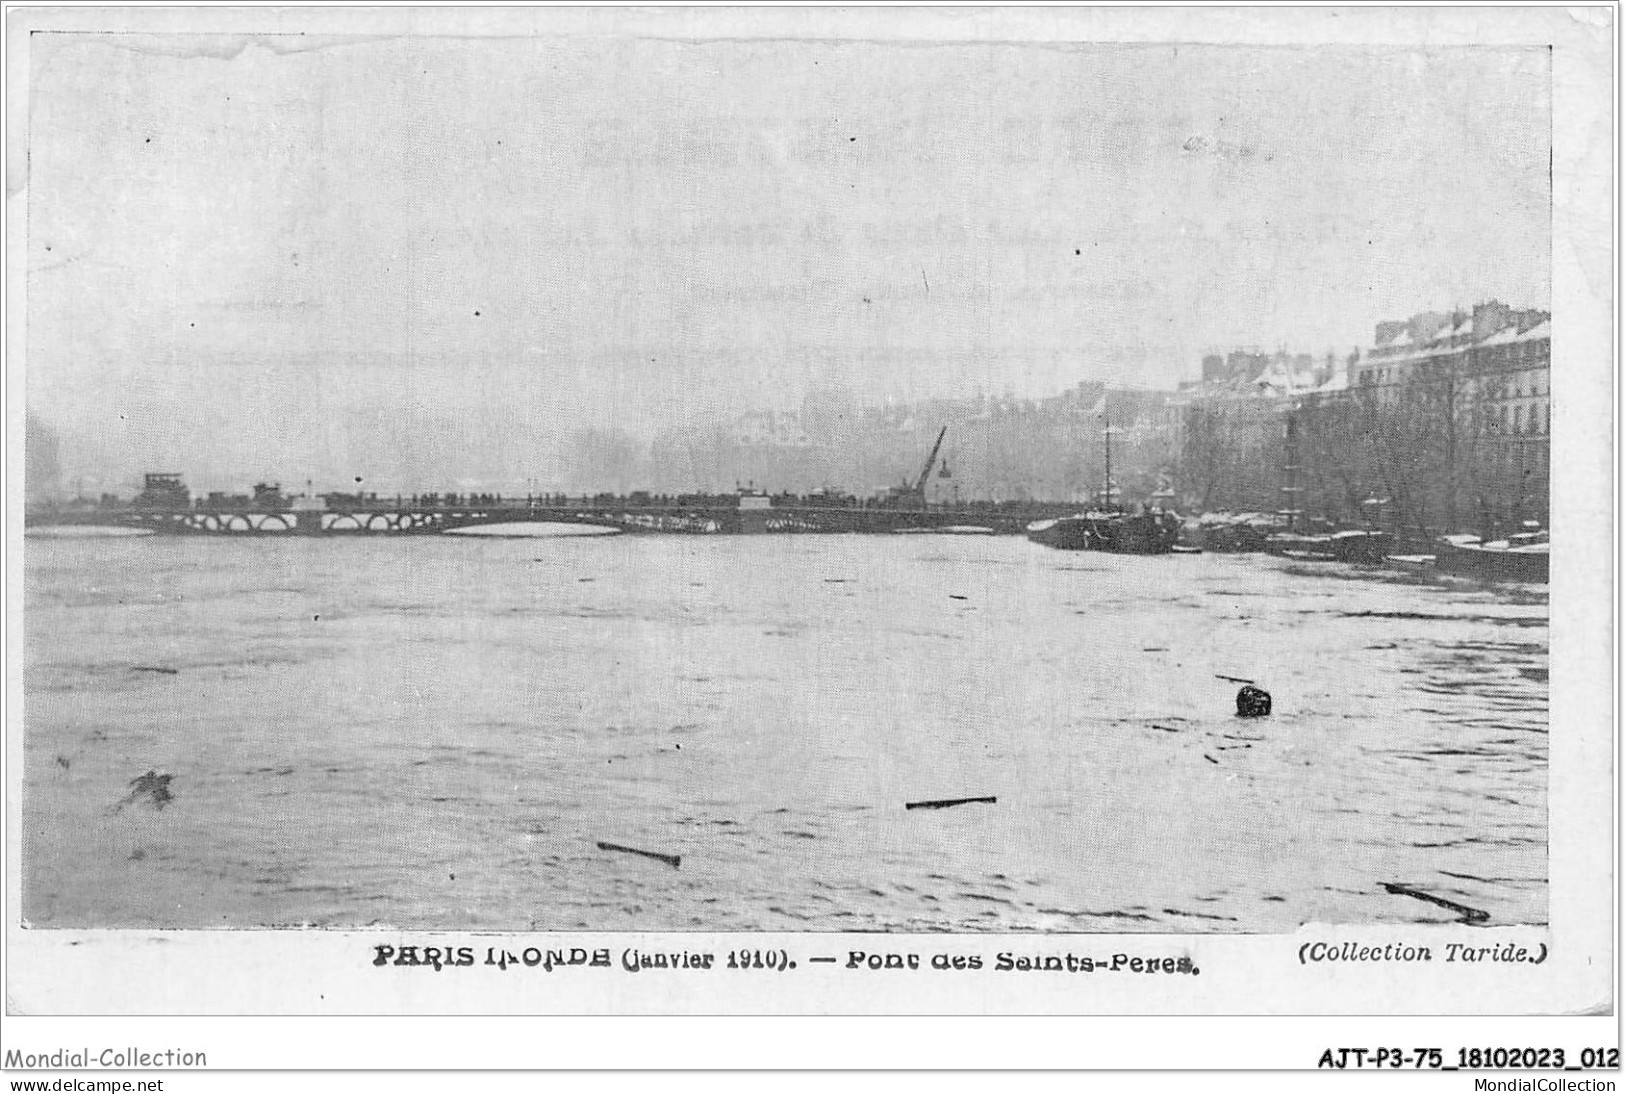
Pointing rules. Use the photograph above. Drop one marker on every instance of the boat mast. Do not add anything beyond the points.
(1111, 501)
(1290, 488)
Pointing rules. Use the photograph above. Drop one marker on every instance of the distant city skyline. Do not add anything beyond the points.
(392, 254)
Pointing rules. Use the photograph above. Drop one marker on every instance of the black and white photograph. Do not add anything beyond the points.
(1020, 498)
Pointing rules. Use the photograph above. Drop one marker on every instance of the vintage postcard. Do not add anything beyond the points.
(878, 511)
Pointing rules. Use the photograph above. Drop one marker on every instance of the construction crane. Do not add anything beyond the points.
(916, 490)
(930, 462)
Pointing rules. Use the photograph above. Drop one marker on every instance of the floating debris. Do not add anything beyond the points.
(1234, 679)
(956, 596)
(1468, 915)
(1209, 759)
(1165, 729)
(1252, 702)
(669, 860)
(154, 668)
(944, 803)
(151, 785)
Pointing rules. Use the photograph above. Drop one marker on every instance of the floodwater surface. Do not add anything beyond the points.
(438, 733)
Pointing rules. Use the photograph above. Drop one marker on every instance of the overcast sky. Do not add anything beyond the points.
(282, 254)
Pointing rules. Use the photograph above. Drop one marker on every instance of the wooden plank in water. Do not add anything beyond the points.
(669, 860)
(1468, 915)
(943, 803)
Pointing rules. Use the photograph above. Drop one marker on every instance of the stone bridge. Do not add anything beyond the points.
(388, 518)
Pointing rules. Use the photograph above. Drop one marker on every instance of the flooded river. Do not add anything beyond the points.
(438, 732)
